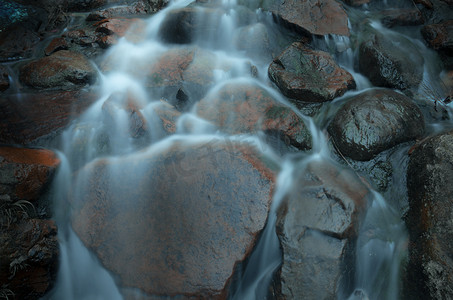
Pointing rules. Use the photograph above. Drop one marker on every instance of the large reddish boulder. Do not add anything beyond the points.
(39, 116)
(319, 17)
(318, 224)
(246, 108)
(63, 69)
(309, 75)
(176, 219)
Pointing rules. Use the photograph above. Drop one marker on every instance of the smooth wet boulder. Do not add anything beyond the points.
(247, 108)
(38, 117)
(141, 7)
(401, 17)
(254, 41)
(429, 219)
(317, 225)
(391, 61)
(176, 219)
(304, 74)
(63, 69)
(374, 121)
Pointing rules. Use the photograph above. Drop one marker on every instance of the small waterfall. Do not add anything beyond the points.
(103, 132)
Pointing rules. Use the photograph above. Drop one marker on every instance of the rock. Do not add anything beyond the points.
(55, 45)
(426, 3)
(317, 225)
(387, 63)
(247, 108)
(374, 121)
(83, 5)
(309, 75)
(29, 254)
(4, 79)
(429, 219)
(25, 173)
(440, 36)
(184, 25)
(17, 42)
(188, 221)
(401, 17)
(39, 116)
(114, 28)
(136, 8)
(63, 69)
(319, 17)
(168, 115)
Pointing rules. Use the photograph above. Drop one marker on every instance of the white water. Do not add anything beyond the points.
(382, 242)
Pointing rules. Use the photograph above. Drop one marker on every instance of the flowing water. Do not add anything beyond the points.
(381, 246)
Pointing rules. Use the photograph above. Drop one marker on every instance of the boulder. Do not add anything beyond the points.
(317, 225)
(393, 63)
(56, 44)
(36, 117)
(63, 69)
(440, 36)
(309, 75)
(356, 2)
(246, 108)
(185, 25)
(29, 254)
(136, 8)
(254, 41)
(429, 219)
(401, 17)
(188, 219)
(319, 17)
(25, 173)
(374, 121)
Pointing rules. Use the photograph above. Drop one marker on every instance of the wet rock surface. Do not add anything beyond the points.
(440, 36)
(248, 108)
(429, 183)
(63, 69)
(29, 248)
(373, 121)
(388, 65)
(309, 75)
(34, 118)
(208, 219)
(317, 225)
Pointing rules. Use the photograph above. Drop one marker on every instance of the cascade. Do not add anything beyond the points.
(97, 137)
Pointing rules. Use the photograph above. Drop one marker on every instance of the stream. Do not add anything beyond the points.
(381, 246)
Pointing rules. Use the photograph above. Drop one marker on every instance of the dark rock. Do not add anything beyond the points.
(185, 25)
(25, 173)
(309, 75)
(17, 42)
(387, 65)
(429, 219)
(29, 253)
(37, 116)
(63, 69)
(426, 3)
(188, 219)
(374, 121)
(4, 79)
(356, 2)
(319, 17)
(247, 108)
(55, 45)
(440, 36)
(136, 8)
(317, 224)
(401, 17)
(82, 5)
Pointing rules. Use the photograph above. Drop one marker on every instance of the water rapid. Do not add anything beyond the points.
(97, 136)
